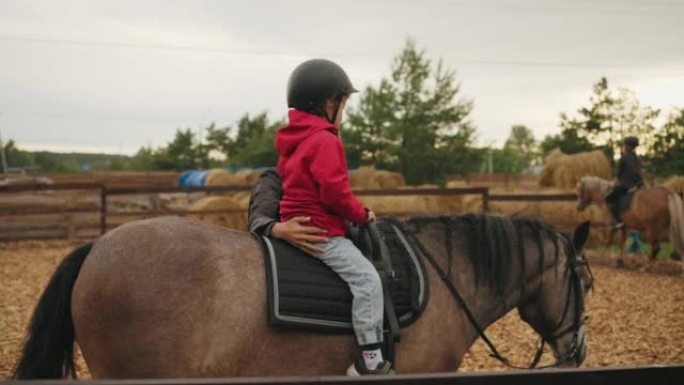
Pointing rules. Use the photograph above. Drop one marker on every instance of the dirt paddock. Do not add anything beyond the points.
(636, 318)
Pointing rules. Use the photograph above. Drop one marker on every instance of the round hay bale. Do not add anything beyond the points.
(232, 220)
(368, 178)
(242, 198)
(389, 179)
(363, 178)
(220, 177)
(564, 171)
(252, 176)
(554, 154)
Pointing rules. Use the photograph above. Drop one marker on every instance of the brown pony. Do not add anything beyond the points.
(653, 211)
(174, 297)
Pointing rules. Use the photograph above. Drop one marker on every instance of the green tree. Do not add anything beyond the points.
(506, 160)
(567, 141)
(254, 144)
(413, 122)
(367, 141)
(219, 140)
(667, 155)
(47, 162)
(611, 116)
(144, 159)
(521, 142)
(16, 157)
(182, 153)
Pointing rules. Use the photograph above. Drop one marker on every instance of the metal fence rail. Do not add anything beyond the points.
(652, 375)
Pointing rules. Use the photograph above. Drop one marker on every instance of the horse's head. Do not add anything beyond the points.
(591, 189)
(556, 309)
(584, 197)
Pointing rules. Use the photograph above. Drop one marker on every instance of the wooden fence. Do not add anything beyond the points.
(36, 229)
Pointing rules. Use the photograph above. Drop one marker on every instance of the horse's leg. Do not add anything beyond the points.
(623, 239)
(652, 238)
(675, 256)
(609, 242)
(655, 249)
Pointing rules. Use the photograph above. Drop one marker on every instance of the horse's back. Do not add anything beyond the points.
(149, 298)
(650, 205)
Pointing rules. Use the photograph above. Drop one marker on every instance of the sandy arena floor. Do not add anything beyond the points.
(635, 318)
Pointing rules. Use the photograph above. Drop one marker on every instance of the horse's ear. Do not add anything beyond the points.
(581, 235)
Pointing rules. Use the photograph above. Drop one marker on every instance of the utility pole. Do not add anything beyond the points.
(2, 155)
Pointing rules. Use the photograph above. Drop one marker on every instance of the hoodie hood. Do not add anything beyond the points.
(301, 125)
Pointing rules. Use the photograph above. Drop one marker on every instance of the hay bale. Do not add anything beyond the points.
(556, 153)
(247, 177)
(233, 220)
(414, 204)
(221, 177)
(389, 179)
(564, 171)
(399, 205)
(362, 178)
(367, 177)
(676, 184)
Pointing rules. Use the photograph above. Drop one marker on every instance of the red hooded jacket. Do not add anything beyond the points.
(313, 168)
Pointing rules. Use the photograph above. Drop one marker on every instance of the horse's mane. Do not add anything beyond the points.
(594, 182)
(493, 243)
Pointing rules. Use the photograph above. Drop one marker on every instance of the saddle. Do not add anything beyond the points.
(623, 202)
(304, 293)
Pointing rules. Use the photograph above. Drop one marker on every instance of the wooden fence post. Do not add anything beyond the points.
(485, 200)
(103, 209)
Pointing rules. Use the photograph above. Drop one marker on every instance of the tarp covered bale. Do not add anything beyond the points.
(192, 178)
(564, 171)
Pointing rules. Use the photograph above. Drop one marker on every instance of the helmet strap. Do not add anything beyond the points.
(338, 101)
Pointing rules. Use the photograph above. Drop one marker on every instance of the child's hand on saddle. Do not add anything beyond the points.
(302, 237)
(371, 216)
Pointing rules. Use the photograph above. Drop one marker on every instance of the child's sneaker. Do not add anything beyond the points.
(358, 368)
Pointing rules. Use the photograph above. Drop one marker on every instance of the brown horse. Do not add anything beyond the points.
(653, 211)
(173, 297)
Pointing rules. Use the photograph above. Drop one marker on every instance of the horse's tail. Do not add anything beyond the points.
(48, 350)
(677, 223)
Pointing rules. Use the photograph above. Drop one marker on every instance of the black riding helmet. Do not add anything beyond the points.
(315, 81)
(631, 141)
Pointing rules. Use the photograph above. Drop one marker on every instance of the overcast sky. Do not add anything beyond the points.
(116, 75)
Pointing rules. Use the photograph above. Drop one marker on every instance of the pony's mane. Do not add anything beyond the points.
(493, 243)
(594, 182)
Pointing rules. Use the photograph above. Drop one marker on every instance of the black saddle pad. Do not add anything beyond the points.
(305, 293)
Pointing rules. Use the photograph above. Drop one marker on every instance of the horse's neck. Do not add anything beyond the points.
(482, 300)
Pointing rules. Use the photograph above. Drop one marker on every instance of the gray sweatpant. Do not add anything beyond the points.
(345, 259)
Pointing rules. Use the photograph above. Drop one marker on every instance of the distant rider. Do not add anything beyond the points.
(629, 176)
